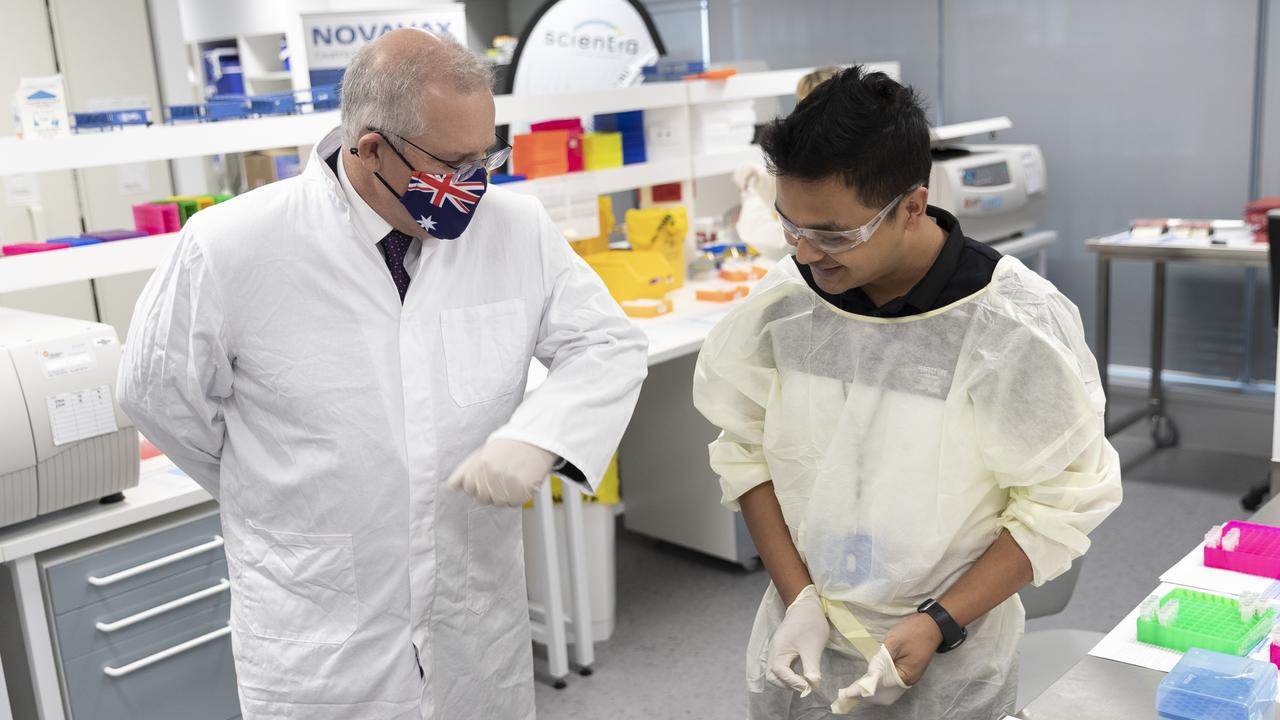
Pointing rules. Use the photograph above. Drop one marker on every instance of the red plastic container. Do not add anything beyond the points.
(1255, 213)
(149, 218)
(28, 248)
(1257, 554)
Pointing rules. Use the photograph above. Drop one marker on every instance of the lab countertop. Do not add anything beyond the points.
(1106, 689)
(1124, 247)
(162, 489)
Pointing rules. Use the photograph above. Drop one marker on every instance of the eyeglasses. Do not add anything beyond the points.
(833, 242)
(494, 158)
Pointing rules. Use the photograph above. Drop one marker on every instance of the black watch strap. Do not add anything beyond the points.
(953, 636)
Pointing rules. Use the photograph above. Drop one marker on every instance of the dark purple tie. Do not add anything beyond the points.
(394, 247)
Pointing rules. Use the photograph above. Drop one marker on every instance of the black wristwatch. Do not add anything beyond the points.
(953, 636)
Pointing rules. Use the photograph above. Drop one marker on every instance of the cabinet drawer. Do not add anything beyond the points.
(184, 671)
(121, 562)
(118, 619)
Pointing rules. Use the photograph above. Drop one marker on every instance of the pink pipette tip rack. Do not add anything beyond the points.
(1244, 547)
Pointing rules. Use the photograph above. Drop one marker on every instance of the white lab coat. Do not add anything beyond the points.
(272, 360)
(899, 449)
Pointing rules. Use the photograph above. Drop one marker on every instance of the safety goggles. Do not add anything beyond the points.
(494, 158)
(833, 242)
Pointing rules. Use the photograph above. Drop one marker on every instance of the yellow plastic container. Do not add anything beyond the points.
(633, 275)
(662, 230)
(201, 201)
(601, 150)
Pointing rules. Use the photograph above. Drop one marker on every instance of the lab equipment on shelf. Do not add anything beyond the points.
(631, 126)
(324, 97)
(275, 104)
(63, 439)
(601, 150)
(573, 147)
(1243, 547)
(110, 119)
(29, 248)
(113, 235)
(1211, 686)
(1185, 619)
(79, 241)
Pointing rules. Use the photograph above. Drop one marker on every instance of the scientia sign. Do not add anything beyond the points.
(334, 38)
(573, 45)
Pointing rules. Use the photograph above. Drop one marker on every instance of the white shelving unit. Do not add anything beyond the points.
(724, 162)
(668, 163)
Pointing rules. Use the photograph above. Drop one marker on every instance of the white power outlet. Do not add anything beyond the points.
(661, 133)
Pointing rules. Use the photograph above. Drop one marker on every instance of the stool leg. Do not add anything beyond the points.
(575, 527)
(557, 640)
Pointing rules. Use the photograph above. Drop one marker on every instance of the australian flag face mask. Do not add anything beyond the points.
(442, 204)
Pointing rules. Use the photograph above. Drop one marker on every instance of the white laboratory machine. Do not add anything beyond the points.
(995, 191)
(63, 439)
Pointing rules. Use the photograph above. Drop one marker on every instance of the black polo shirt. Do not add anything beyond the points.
(964, 266)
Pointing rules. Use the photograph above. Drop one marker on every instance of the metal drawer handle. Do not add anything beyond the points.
(136, 570)
(136, 665)
(222, 586)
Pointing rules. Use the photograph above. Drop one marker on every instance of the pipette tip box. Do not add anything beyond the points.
(1211, 686)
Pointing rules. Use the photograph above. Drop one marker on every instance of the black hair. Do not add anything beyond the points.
(865, 127)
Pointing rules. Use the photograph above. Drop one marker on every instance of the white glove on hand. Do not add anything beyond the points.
(882, 685)
(503, 472)
(802, 634)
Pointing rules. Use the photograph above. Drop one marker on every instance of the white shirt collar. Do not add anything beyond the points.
(367, 219)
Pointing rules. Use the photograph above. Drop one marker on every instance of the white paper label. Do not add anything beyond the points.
(81, 414)
(21, 190)
(67, 361)
(134, 178)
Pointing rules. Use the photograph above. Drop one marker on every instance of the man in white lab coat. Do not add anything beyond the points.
(340, 359)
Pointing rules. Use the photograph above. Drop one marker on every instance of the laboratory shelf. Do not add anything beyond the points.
(618, 179)
(26, 272)
(772, 83)
(167, 142)
(723, 162)
(1203, 620)
(1255, 552)
(532, 108)
(161, 142)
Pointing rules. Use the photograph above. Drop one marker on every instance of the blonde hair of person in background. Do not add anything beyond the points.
(811, 81)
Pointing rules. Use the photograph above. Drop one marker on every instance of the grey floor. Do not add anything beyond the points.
(683, 619)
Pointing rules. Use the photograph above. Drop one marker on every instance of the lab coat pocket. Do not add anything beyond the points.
(298, 587)
(485, 348)
(494, 555)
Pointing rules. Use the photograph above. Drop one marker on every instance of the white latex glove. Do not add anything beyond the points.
(882, 685)
(802, 635)
(503, 472)
(746, 175)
